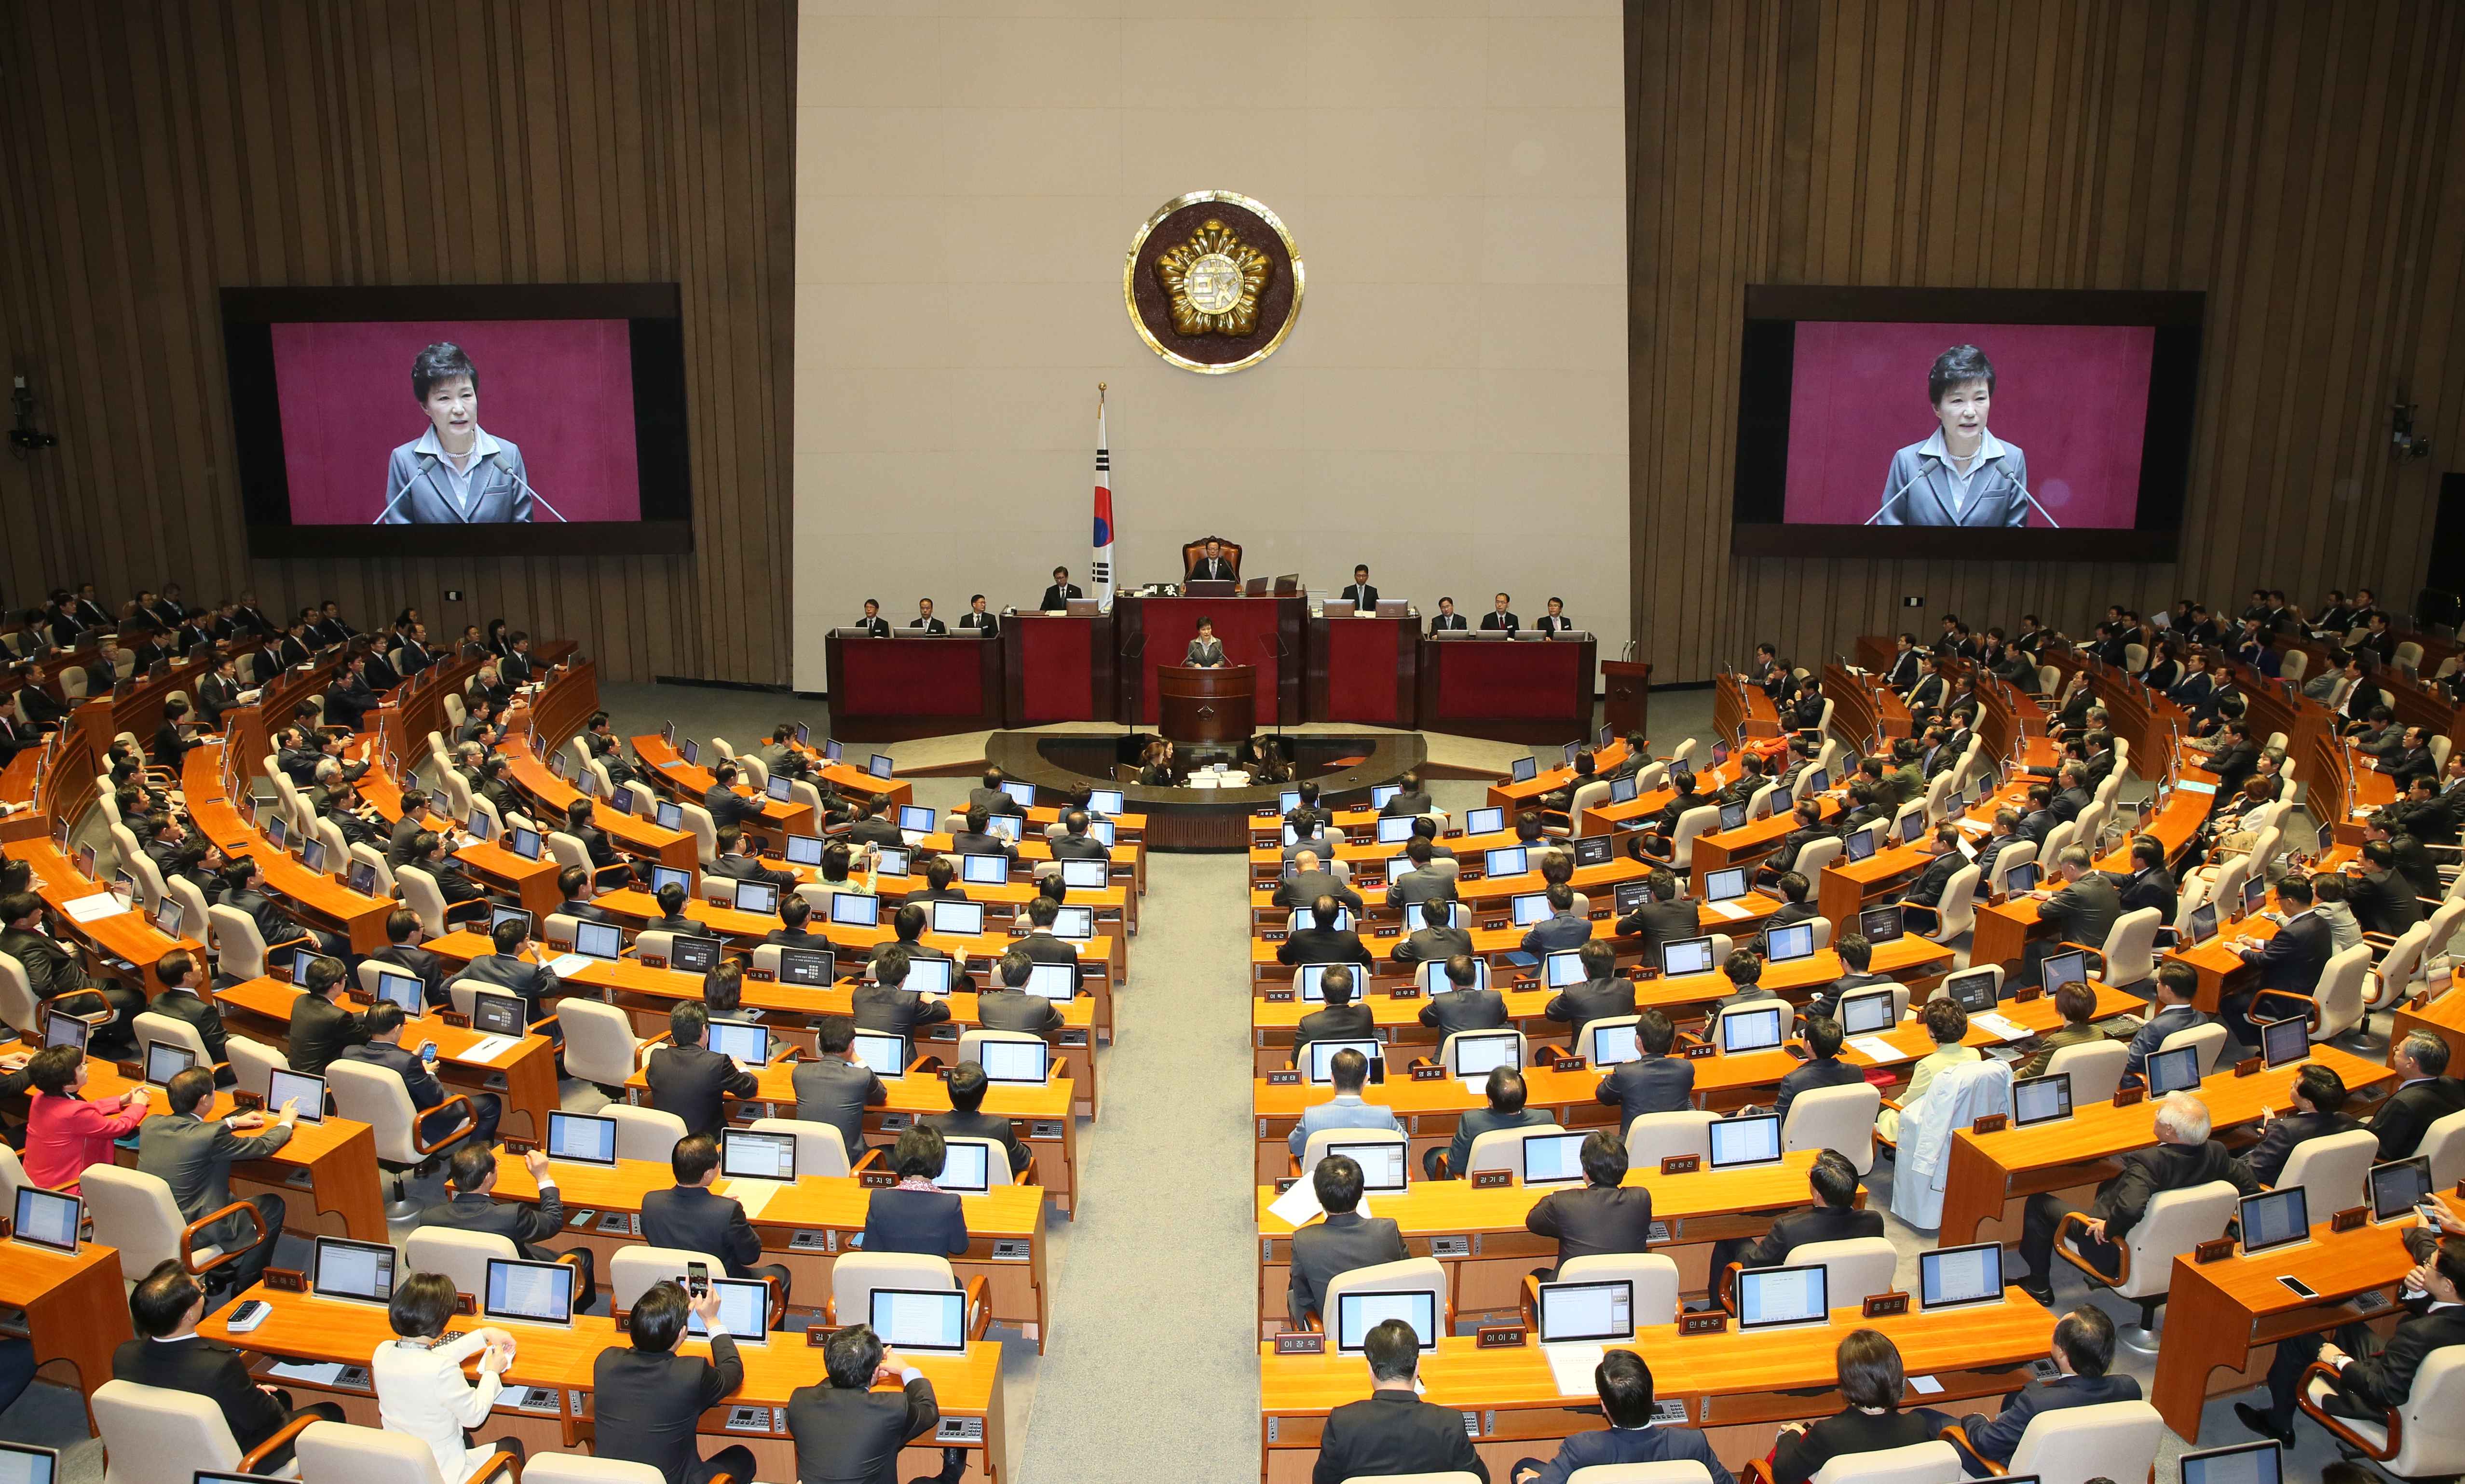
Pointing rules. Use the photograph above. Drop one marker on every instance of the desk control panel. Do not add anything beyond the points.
(956, 1430)
(749, 1419)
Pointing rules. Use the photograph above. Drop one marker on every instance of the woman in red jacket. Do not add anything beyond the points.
(64, 1132)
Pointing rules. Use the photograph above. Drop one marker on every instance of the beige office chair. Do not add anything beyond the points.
(365, 1093)
(337, 1453)
(971, 1043)
(1316, 1150)
(2210, 1038)
(1815, 854)
(820, 1150)
(171, 1030)
(1839, 1118)
(2443, 1145)
(134, 1212)
(459, 1254)
(2335, 1003)
(644, 1132)
(237, 940)
(2419, 1440)
(2128, 955)
(1672, 1470)
(2176, 1222)
(2095, 1068)
(2335, 1168)
(421, 895)
(156, 1436)
(1654, 1136)
(2072, 1444)
(1855, 1269)
(253, 1064)
(635, 1270)
(1692, 823)
(705, 831)
(1654, 1278)
(1411, 1275)
(2019, 852)
(583, 1468)
(599, 1042)
(1955, 914)
(1920, 1463)
(854, 1277)
(12, 1178)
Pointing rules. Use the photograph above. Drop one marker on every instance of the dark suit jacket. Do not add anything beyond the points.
(320, 1030)
(1804, 1228)
(1565, 930)
(1820, 1073)
(988, 621)
(1597, 999)
(928, 1222)
(201, 1368)
(1432, 943)
(980, 1124)
(834, 1091)
(1593, 1220)
(1335, 1023)
(1659, 922)
(513, 976)
(1439, 622)
(1465, 1010)
(1394, 1432)
(1996, 1440)
(2387, 1379)
(887, 1008)
(693, 1082)
(1649, 1084)
(690, 1217)
(2410, 1112)
(853, 1437)
(1494, 620)
(1324, 945)
(519, 1221)
(201, 1014)
(2153, 886)
(649, 1405)
(2385, 905)
(1017, 1009)
(2084, 911)
(426, 1092)
(2267, 1158)
(1632, 1444)
(2292, 962)
(1057, 596)
(1328, 1248)
(1306, 887)
(727, 807)
(2148, 1173)
(428, 967)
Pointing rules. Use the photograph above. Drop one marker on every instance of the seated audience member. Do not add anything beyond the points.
(649, 1399)
(574, 884)
(1858, 957)
(2425, 1093)
(65, 1132)
(165, 1308)
(402, 950)
(1326, 1249)
(2083, 1353)
(383, 1023)
(1945, 1023)
(836, 1088)
(1342, 1020)
(2077, 1003)
(1793, 908)
(1832, 1217)
(2373, 1378)
(1347, 1070)
(1462, 1007)
(1823, 1037)
(194, 1156)
(692, 1081)
(184, 998)
(471, 1205)
(1602, 1216)
(688, 1215)
(737, 862)
(1009, 1007)
(1505, 1094)
(1873, 1385)
(51, 972)
(1435, 940)
(1623, 1382)
(322, 1026)
(1601, 996)
(421, 1392)
(915, 1215)
(1655, 1081)
(508, 972)
(2178, 986)
(2183, 1155)
(885, 1003)
(847, 1430)
(968, 1119)
(1394, 1431)
(1322, 941)
(1564, 927)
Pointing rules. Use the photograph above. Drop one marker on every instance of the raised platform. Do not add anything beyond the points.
(1208, 819)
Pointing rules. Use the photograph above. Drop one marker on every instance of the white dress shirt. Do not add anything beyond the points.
(421, 1394)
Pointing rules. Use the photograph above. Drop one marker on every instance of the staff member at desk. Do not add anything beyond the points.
(873, 623)
(1497, 617)
(688, 1215)
(1446, 618)
(1206, 652)
(1434, 941)
(925, 619)
(986, 625)
(1360, 597)
(1556, 621)
(1057, 598)
(1394, 1431)
(1604, 1217)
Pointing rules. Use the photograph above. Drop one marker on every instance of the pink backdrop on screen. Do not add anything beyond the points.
(2073, 397)
(560, 390)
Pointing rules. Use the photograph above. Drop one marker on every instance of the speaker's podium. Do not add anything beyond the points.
(1217, 705)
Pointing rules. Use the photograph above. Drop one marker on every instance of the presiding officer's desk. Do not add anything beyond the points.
(1987, 1171)
(1737, 1387)
(804, 1226)
(2228, 1315)
(557, 1361)
(72, 1306)
(1051, 1132)
(523, 1073)
(1480, 1235)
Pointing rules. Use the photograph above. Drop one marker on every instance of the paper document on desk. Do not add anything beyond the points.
(1925, 1385)
(1571, 1368)
(2001, 1027)
(1876, 1050)
(565, 965)
(1976, 826)
(101, 904)
(1298, 1206)
(323, 1373)
(1727, 909)
(486, 1049)
(754, 1194)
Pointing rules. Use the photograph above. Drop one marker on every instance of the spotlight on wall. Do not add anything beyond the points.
(2403, 446)
(24, 438)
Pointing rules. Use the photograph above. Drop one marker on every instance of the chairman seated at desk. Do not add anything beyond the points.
(1213, 566)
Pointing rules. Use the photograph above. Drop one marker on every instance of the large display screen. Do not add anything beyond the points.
(428, 421)
(1984, 423)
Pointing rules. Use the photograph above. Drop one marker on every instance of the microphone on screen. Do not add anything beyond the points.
(1923, 471)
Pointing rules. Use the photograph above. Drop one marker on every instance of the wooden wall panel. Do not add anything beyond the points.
(163, 149)
(2301, 163)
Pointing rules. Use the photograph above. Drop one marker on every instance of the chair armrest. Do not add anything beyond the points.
(1957, 1437)
(1529, 1300)
(2310, 1000)
(470, 1121)
(1935, 913)
(1725, 1284)
(778, 1304)
(502, 1463)
(188, 1235)
(2321, 1370)
(540, 1027)
(2097, 954)
(871, 1159)
(2075, 1219)
(979, 1306)
(1549, 1051)
(1756, 1471)
(283, 1437)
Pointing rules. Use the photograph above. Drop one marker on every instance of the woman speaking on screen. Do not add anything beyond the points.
(454, 473)
(1961, 475)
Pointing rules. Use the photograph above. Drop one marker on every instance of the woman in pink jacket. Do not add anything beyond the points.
(64, 1132)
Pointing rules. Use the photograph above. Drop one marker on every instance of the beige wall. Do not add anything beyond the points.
(966, 189)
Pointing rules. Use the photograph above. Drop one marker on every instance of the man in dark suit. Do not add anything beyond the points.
(689, 1216)
(1653, 1082)
(1601, 996)
(165, 1309)
(1423, 882)
(383, 1023)
(1311, 881)
(1823, 1038)
(573, 883)
(193, 1156)
(649, 1399)
(1076, 843)
(834, 1087)
(2082, 909)
(2149, 884)
(2425, 1093)
(347, 698)
(1213, 566)
(1463, 1006)
(1907, 663)
(403, 951)
(471, 1205)
(886, 1005)
(1360, 597)
(1394, 1431)
(1322, 941)
(1498, 619)
(219, 691)
(924, 622)
(2083, 1353)
(2319, 1096)
(184, 998)
(869, 828)
(914, 1215)
(968, 1119)
(848, 1431)
(244, 891)
(907, 928)
(1602, 1217)
(321, 1029)
(2183, 1155)
(505, 971)
(1341, 1020)
(1006, 1005)
(52, 971)
(1564, 928)
(1624, 1386)
(873, 623)
(689, 1079)
(1344, 1240)
(984, 622)
(978, 838)
(2382, 901)
(1662, 918)
(1434, 941)
(1446, 618)
(2290, 963)
(1832, 1217)
(1040, 945)
(1505, 1094)
(725, 805)
(2372, 1380)
(1811, 827)
(738, 864)
(1057, 596)
(400, 851)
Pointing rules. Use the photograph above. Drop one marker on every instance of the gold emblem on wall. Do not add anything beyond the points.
(1214, 283)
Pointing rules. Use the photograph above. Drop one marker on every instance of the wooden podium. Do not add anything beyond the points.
(1203, 705)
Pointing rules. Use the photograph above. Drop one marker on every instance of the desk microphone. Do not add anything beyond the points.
(396, 499)
(1904, 488)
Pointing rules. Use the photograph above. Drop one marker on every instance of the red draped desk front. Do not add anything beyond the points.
(887, 690)
(1530, 691)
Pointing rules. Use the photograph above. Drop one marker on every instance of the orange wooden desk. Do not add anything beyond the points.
(2219, 965)
(124, 935)
(1740, 707)
(1605, 818)
(2003, 931)
(2444, 1017)
(558, 1361)
(73, 1306)
(1515, 797)
(630, 834)
(691, 782)
(523, 1075)
(1987, 1171)
(323, 899)
(1734, 1386)
(531, 882)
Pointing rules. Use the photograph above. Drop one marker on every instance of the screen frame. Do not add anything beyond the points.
(654, 315)
(1766, 376)
(488, 1305)
(1823, 1277)
(317, 1282)
(1541, 1313)
(1935, 1254)
(873, 1310)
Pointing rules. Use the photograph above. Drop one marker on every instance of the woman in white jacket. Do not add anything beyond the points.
(420, 1389)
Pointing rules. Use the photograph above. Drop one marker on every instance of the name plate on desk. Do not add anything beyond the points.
(2250, 1065)
(1405, 992)
(1288, 1076)
(2216, 1251)
(816, 1337)
(1601, 915)
(761, 976)
(2125, 1097)
(1389, 932)
(286, 1280)
(1991, 1123)
(1272, 937)
(875, 1179)
(455, 1018)
(247, 1101)
(1566, 1064)
(1500, 1337)
(1293, 1342)
(2349, 1218)
(651, 960)
(1681, 1164)
(1883, 1306)
(1429, 1074)
(1701, 1050)
(1714, 1322)
(1494, 925)
(515, 1146)
(1492, 1179)
(1279, 997)
(2032, 992)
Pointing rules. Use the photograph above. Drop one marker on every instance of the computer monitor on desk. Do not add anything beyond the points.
(2244, 1462)
(1866, 1012)
(884, 1056)
(1752, 1140)
(1684, 955)
(1382, 1165)
(931, 1321)
(2284, 1042)
(582, 1139)
(743, 1311)
(2274, 1218)
(1357, 1313)
(1777, 1297)
(744, 1154)
(529, 1293)
(1553, 1159)
(47, 1219)
(2177, 1070)
(1586, 1314)
(959, 918)
(1484, 821)
(1477, 1053)
(23, 1463)
(1949, 1277)
(2398, 1187)
(355, 1271)
(1320, 1053)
